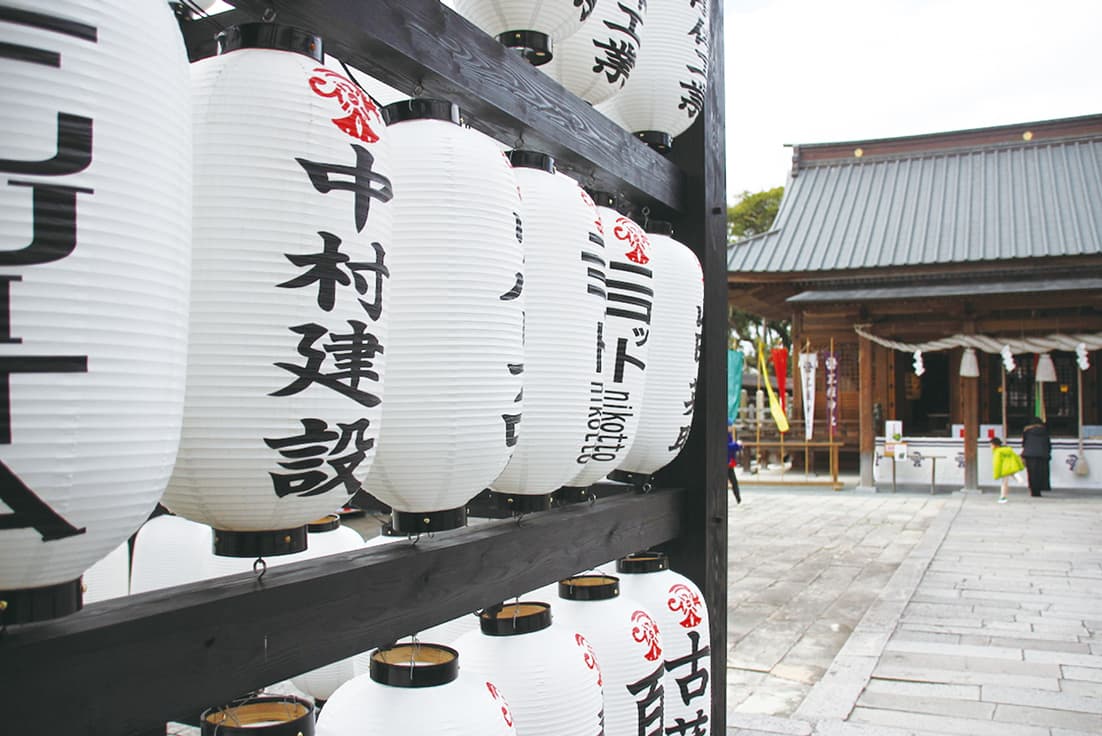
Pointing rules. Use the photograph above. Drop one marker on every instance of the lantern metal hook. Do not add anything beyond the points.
(269, 14)
(592, 498)
(646, 216)
(259, 568)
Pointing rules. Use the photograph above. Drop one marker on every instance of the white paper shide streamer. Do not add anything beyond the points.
(456, 354)
(678, 607)
(533, 27)
(596, 62)
(546, 670)
(288, 331)
(674, 354)
(417, 689)
(95, 223)
(561, 249)
(623, 348)
(666, 90)
(628, 644)
(809, 365)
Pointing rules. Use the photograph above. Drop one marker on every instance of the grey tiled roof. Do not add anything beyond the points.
(992, 202)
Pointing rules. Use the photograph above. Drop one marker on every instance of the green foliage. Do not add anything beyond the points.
(753, 213)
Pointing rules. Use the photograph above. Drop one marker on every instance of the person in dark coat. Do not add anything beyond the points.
(1037, 451)
(733, 447)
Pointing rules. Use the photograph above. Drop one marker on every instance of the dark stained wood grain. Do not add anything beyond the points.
(124, 666)
(423, 48)
(701, 552)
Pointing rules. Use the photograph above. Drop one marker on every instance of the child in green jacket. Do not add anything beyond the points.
(1004, 463)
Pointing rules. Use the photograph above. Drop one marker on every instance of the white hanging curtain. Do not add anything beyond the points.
(809, 364)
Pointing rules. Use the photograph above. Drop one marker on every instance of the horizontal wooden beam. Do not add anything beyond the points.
(423, 48)
(127, 665)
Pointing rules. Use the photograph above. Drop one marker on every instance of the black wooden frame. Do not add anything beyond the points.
(126, 666)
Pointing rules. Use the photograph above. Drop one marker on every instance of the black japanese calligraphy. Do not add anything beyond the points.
(636, 297)
(649, 707)
(353, 355)
(694, 683)
(325, 270)
(364, 183)
(586, 6)
(307, 455)
(595, 274)
(606, 425)
(615, 59)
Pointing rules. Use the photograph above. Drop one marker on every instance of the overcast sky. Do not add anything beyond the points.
(814, 71)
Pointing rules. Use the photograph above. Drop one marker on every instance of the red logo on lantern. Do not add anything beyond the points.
(358, 106)
(683, 599)
(505, 712)
(589, 656)
(636, 239)
(593, 206)
(645, 631)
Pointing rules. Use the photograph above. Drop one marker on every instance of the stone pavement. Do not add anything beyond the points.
(906, 614)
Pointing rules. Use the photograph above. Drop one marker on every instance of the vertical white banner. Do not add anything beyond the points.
(809, 364)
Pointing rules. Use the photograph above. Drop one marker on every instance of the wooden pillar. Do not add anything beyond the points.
(970, 410)
(867, 430)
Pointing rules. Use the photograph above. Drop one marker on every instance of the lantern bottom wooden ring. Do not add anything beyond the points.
(572, 494)
(414, 665)
(656, 139)
(643, 482)
(643, 562)
(271, 543)
(520, 503)
(533, 45)
(414, 522)
(27, 605)
(268, 715)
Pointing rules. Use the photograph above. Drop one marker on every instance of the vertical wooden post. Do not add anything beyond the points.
(701, 468)
(867, 431)
(970, 410)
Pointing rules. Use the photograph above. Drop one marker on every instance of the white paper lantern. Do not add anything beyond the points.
(675, 340)
(95, 214)
(326, 536)
(564, 298)
(679, 608)
(625, 346)
(666, 90)
(110, 577)
(416, 690)
(596, 62)
(628, 645)
(263, 715)
(533, 27)
(288, 329)
(456, 353)
(171, 550)
(548, 672)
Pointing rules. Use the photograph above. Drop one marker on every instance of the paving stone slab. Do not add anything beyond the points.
(951, 707)
(944, 724)
(1048, 717)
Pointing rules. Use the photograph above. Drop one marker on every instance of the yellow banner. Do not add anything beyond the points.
(774, 403)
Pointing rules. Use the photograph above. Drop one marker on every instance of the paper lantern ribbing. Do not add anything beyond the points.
(564, 286)
(676, 321)
(682, 616)
(171, 550)
(547, 672)
(626, 344)
(95, 214)
(456, 353)
(416, 690)
(596, 62)
(628, 645)
(666, 91)
(288, 331)
(533, 27)
(110, 577)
